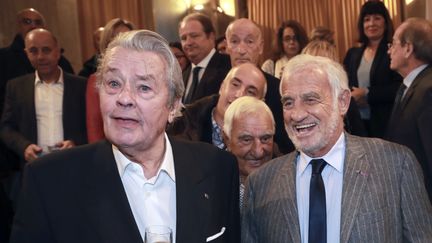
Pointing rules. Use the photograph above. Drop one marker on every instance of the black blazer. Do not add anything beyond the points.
(410, 123)
(18, 123)
(384, 84)
(77, 195)
(211, 80)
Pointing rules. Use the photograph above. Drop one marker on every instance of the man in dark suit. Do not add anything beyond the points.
(411, 56)
(197, 37)
(112, 190)
(13, 59)
(43, 111)
(336, 187)
(245, 45)
(203, 120)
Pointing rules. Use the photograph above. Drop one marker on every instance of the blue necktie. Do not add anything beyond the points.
(317, 204)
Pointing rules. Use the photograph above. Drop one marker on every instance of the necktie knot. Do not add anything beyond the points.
(196, 70)
(318, 166)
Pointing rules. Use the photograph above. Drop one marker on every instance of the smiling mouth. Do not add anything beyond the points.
(304, 128)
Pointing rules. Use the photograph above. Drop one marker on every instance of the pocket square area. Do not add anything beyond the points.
(210, 238)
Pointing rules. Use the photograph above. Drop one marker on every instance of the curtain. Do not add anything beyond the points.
(338, 15)
(93, 14)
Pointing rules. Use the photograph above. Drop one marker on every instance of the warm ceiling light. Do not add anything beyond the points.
(219, 9)
(408, 2)
(199, 7)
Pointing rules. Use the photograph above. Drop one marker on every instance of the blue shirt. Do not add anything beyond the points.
(333, 178)
(153, 200)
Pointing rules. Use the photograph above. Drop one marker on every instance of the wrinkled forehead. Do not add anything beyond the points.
(306, 76)
(245, 29)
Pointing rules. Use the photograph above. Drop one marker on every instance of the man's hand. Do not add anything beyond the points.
(31, 152)
(65, 144)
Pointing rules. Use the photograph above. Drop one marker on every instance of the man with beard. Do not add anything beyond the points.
(336, 187)
(249, 129)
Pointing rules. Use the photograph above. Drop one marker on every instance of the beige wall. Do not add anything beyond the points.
(61, 18)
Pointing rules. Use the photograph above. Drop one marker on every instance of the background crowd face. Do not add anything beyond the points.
(29, 20)
(244, 42)
(246, 80)
(134, 98)
(195, 42)
(290, 42)
(312, 116)
(398, 52)
(43, 52)
(251, 141)
(374, 26)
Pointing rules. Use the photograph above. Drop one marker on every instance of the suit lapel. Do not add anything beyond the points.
(411, 90)
(192, 205)
(355, 177)
(288, 190)
(105, 201)
(29, 94)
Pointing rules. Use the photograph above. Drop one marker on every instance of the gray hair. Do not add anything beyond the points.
(245, 106)
(145, 40)
(335, 73)
(418, 32)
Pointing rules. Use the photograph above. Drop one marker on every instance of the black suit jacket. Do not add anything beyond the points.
(77, 196)
(211, 80)
(410, 123)
(384, 84)
(18, 123)
(14, 63)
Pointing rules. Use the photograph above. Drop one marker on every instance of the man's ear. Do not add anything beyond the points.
(344, 101)
(174, 110)
(226, 140)
(409, 50)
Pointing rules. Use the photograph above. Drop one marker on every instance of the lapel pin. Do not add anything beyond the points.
(206, 196)
(361, 173)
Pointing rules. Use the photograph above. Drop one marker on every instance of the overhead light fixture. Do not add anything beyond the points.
(219, 9)
(199, 7)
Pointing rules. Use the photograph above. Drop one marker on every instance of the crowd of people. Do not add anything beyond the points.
(201, 137)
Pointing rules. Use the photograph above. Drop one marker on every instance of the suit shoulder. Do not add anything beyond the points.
(74, 78)
(273, 166)
(207, 154)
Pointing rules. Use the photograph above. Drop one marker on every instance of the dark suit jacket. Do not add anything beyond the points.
(410, 124)
(273, 100)
(77, 196)
(14, 63)
(18, 123)
(211, 80)
(383, 197)
(384, 84)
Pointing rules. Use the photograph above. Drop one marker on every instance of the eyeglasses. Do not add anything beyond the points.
(393, 43)
(27, 21)
(289, 38)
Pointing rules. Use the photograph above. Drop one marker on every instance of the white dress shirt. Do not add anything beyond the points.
(49, 111)
(203, 64)
(153, 200)
(333, 178)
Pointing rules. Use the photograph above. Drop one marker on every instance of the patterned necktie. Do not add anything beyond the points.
(317, 204)
(194, 84)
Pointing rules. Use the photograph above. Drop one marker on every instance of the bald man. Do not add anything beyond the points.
(13, 59)
(245, 44)
(203, 119)
(45, 110)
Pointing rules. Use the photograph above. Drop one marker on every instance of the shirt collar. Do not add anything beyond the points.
(412, 75)
(167, 163)
(39, 81)
(335, 157)
(204, 62)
